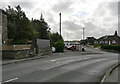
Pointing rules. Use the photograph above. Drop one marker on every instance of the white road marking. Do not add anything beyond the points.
(93, 73)
(10, 80)
(53, 60)
(52, 67)
(66, 62)
(48, 68)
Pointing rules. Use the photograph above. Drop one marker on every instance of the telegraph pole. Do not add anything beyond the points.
(67, 35)
(60, 24)
(83, 49)
(83, 33)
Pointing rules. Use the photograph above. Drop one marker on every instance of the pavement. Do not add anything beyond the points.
(70, 66)
(10, 61)
(112, 74)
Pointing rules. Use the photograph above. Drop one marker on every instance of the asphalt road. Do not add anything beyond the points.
(71, 66)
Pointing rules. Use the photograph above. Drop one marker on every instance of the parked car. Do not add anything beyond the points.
(66, 44)
(69, 47)
(53, 49)
(73, 47)
(76, 46)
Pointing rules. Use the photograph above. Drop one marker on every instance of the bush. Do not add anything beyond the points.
(111, 47)
(20, 42)
(59, 45)
(98, 46)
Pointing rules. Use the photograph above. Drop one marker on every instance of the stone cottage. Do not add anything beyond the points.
(3, 26)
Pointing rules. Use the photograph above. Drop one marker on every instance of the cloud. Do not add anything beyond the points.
(3, 5)
(25, 5)
(113, 8)
(63, 7)
(99, 17)
(71, 26)
(71, 30)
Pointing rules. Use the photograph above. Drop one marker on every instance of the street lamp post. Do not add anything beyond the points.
(60, 24)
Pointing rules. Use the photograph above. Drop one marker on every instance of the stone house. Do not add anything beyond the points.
(3, 28)
(108, 40)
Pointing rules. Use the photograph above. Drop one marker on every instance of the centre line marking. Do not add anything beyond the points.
(10, 80)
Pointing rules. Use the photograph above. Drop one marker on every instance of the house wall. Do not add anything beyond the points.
(108, 42)
(4, 28)
(0, 31)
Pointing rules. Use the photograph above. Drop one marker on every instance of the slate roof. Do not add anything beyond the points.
(109, 37)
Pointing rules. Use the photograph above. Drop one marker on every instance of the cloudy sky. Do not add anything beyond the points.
(99, 17)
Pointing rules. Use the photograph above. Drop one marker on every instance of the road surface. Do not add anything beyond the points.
(70, 66)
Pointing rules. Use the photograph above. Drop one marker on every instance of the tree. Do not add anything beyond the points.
(11, 17)
(24, 27)
(19, 26)
(59, 46)
(57, 41)
(54, 37)
(115, 33)
(43, 27)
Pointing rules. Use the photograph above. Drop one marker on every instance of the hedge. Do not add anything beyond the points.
(111, 47)
(20, 42)
(59, 46)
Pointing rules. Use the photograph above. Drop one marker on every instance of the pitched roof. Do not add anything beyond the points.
(109, 37)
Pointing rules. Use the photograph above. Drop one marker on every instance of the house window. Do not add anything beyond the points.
(106, 42)
(101, 41)
(113, 41)
(96, 42)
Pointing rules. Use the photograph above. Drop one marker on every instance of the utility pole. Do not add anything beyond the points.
(83, 49)
(60, 24)
(32, 31)
(83, 33)
(67, 35)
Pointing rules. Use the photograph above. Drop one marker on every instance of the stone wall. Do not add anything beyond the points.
(16, 51)
(22, 51)
(15, 54)
(15, 47)
(44, 51)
